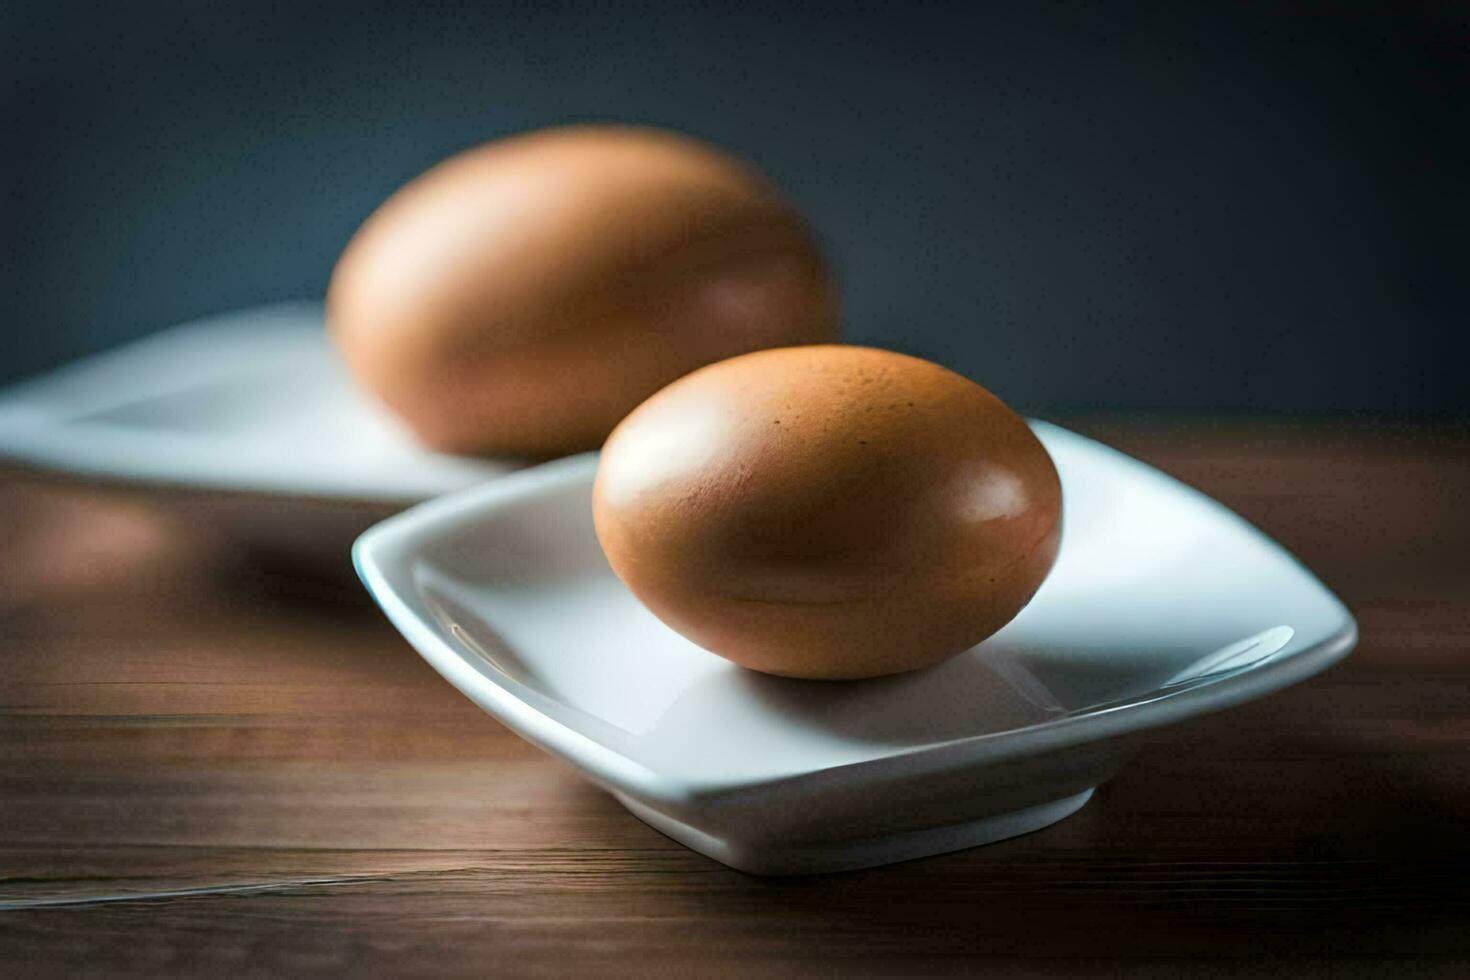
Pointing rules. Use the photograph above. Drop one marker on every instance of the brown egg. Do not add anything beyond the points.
(828, 512)
(522, 297)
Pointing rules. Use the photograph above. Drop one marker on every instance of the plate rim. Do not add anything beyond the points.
(57, 444)
(616, 771)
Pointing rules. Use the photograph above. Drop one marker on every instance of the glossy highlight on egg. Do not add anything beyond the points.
(523, 296)
(828, 511)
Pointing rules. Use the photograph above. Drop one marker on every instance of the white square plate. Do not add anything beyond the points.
(250, 414)
(1162, 606)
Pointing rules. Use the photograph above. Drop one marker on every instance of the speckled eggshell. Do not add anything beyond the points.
(828, 511)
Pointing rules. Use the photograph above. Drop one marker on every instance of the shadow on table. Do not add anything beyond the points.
(1356, 854)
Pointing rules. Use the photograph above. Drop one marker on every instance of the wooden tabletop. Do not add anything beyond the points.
(208, 768)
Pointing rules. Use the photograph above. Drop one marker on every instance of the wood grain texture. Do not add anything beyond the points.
(205, 768)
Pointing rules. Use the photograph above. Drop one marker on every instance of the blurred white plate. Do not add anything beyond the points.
(1162, 606)
(250, 414)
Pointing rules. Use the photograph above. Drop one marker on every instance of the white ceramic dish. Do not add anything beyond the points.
(1162, 606)
(250, 415)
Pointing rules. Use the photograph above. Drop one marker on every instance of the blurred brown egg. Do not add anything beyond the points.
(828, 511)
(522, 297)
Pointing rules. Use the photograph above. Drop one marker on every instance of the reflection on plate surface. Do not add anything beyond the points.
(1162, 605)
(249, 426)
(256, 401)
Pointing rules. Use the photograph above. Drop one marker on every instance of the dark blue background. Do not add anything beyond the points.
(1259, 207)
